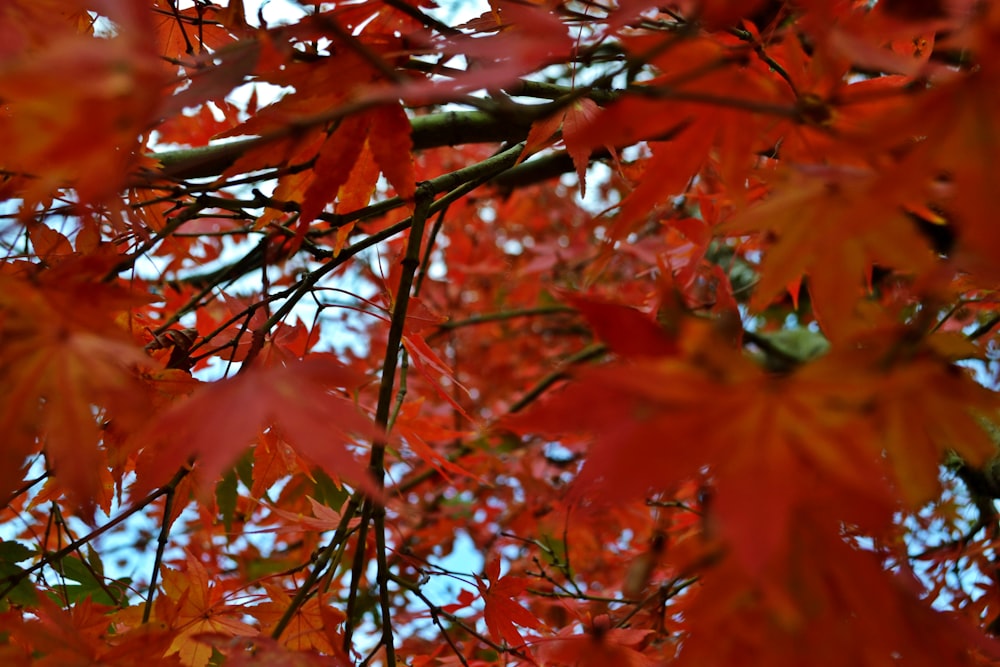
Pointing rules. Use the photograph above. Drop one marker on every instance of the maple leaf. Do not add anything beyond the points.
(805, 609)
(604, 645)
(325, 518)
(214, 75)
(527, 37)
(961, 140)
(574, 123)
(357, 191)
(79, 636)
(313, 627)
(833, 224)
(424, 361)
(63, 371)
(712, 13)
(922, 409)
(333, 166)
(196, 607)
(775, 443)
(682, 134)
(218, 422)
(502, 613)
(578, 119)
(386, 132)
(273, 459)
(75, 105)
(49, 245)
(626, 331)
(390, 142)
(767, 439)
(173, 42)
(417, 431)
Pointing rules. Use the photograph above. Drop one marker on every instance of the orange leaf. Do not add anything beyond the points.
(75, 105)
(324, 518)
(832, 224)
(64, 371)
(78, 636)
(357, 191)
(200, 610)
(417, 431)
(48, 244)
(765, 438)
(541, 135)
(313, 627)
(424, 361)
(273, 459)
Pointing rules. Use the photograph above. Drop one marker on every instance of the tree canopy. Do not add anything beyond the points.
(577, 333)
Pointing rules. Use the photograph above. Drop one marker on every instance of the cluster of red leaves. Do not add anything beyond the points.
(341, 334)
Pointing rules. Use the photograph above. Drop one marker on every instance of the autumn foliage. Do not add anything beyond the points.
(566, 333)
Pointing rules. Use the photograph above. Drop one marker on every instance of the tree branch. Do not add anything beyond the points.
(450, 128)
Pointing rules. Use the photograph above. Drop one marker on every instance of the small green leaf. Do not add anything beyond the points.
(94, 560)
(23, 594)
(14, 552)
(225, 497)
(244, 468)
(90, 583)
(327, 492)
(75, 569)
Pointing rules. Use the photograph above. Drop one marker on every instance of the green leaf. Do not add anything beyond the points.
(225, 497)
(75, 569)
(94, 560)
(244, 469)
(23, 594)
(14, 552)
(91, 583)
(328, 492)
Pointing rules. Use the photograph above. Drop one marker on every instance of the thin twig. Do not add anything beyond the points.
(322, 560)
(376, 467)
(161, 541)
(586, 354)
(53, 556)
(501, 316)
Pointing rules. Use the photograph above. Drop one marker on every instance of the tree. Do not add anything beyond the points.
(580, 333)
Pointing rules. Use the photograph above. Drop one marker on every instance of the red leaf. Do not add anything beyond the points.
(217, 423)
(528, 37)
(627, 331)
(49, 244)
(465, 598)
(541, 135)
(389, 139)
(333, 167)
(579, 117)
(502, 613)
(602, 646)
